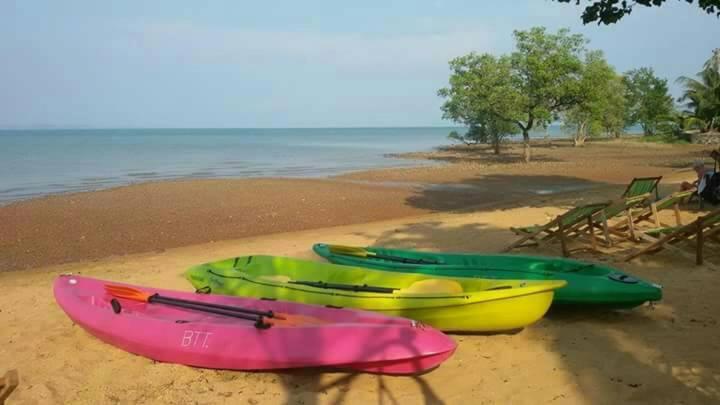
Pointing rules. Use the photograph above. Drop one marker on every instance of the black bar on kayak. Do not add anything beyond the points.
(404, 259)
(259, 322)
(346, 287)
(268, 314)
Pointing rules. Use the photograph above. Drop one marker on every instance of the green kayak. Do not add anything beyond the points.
(588, 283)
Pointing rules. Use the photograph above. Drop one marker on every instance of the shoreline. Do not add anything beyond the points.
(151, 217)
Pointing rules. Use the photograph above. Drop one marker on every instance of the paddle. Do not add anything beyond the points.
(362, 252)
(263, 319)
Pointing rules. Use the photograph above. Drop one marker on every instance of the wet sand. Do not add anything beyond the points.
(155, 216)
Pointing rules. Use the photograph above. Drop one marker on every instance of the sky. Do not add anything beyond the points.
(284, 63)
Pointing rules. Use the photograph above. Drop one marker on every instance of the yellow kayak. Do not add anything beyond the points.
(446, 303)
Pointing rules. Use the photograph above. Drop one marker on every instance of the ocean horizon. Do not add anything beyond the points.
(38, 162)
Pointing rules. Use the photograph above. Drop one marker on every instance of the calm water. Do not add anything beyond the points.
(40, 162)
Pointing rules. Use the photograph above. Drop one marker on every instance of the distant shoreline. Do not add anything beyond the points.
(47, 162)
(66, 176)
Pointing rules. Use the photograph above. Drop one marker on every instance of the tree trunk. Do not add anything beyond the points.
(579, 138)
(496, 146)
(526, 145)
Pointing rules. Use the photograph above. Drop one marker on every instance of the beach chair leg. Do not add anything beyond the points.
(563, 242)
(591, 231)
(678, 218)
(700, 242)
(528, 236)
(655, 245)
(631, 226)
(654, 209)
(520, 242)
(8, 383)
(606, 230)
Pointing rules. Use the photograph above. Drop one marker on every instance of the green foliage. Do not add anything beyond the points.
(610, 11)
(702, 95)
(602, 106)
(647, 99)
(490, 131)
(539, 79)
(546, 71)
(455, 136)
(613, 119)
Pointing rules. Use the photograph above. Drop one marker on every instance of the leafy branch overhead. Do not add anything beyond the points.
(611, 11)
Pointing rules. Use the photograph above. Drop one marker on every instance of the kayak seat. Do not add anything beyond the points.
(434, 286)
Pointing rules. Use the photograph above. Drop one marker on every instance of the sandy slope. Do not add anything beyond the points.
(667, 353)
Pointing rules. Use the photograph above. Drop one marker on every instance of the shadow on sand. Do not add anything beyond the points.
(510, 190)
(648, 354)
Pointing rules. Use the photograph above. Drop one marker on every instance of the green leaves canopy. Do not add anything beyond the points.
(524, 88)
(647, 99)
(610, 11)
(602, 105)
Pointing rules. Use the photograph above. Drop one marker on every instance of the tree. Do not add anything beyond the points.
(467, 140)
(486, 129)
(597, 108)
(647, 99)
(702, 95)
(539, 79)
(611, 11)
(613, 119)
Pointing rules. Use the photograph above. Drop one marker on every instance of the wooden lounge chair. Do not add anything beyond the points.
(701, 230)
(650, 213)
(559, 227)
(642, 185)
(8, 383)
(623, 207)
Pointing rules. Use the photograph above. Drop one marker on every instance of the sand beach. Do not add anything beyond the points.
(149, 233)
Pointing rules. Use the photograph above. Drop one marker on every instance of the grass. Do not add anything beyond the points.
(664, 138)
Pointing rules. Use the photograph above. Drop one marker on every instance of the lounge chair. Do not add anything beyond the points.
(701, 230)
(8, 383)
(625, 207)
(559, 227)
(642, 185)
(650, 213)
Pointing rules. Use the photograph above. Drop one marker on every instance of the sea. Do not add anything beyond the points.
(36, 162)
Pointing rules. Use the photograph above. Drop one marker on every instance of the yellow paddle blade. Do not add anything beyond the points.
(434, 286)
(349, 250)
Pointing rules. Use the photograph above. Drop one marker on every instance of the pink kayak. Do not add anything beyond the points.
(317, 337)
